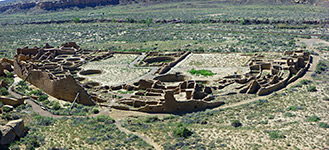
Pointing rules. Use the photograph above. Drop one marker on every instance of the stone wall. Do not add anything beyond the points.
(171, 105)
(12, 101)
(65, 88)
(166, 68)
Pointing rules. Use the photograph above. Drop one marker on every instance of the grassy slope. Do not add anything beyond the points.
(139, 36)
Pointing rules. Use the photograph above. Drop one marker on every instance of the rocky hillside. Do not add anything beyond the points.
(15, 6)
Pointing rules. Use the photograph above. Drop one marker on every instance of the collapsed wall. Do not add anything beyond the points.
(155, 96)
(266, 77)
(166, 68)
(172, 105)
(36, 69)
(12, 101)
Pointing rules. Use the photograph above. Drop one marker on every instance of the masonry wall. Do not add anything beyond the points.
(65, 88)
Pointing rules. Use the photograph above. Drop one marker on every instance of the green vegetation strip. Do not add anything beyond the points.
(201, 72)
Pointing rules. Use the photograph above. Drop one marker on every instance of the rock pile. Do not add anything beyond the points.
(11, 130)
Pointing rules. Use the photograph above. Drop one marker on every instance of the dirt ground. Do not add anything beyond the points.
(221, 64)
(116, 70)
(313, 42)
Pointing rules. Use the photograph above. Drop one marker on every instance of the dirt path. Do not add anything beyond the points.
(144, 137)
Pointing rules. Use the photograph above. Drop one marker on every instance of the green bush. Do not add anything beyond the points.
(311, 89)
(321, 67)
(305, 82)
(76, 20)
(313, 118)
(323, 125)
(201, 72)
(275, 135)
(35, 92)
(10, 75)
(294, 108)
(183, 132)
(104, 118)
(236, 123)
(289, 114)
(95, 111)
(150, 119)
(44, 121)
(43, 97)
(4, 91)
(6, 109)
(56, 106)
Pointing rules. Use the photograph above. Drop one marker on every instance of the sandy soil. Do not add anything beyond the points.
(116, 70)
(214, 60)
(313, 42)
(221, 64)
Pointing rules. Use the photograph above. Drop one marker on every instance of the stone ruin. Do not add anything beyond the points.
(154, 96)
(56, 70)
(264, 76)
(268, 75)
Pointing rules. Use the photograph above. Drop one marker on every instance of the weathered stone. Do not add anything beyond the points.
(253, 87)
(199, 95)
(3, 83)
(2, 70)
(7, 60)
(8, 135)
(208, 90)
(189, 93)
(18, 126)
(145, 84)
(7, 66)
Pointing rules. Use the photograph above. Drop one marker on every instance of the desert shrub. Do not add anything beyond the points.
(56, 106)
(4, 91)
(294, 108)
(44, 121)
(321, 67)
(7, 80)
(95, 111)
(6, 109)
(105, 119)
(311, 89)
(275, 135)
(35, 92)
(236, 123)
(76, 20)
(289, 114)
(22, 83)
(169, 117)
(22, 86)
(10, 75)
(305, 82)
(150, 119)
(43, 97)
(261, 102)
(201, 72)
(271, 117)
(323, 125)
(181, 131)
(313, 118)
